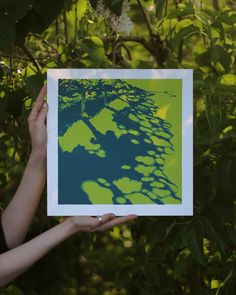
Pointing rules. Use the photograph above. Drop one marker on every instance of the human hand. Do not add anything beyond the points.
(92, 224)
(37, 125)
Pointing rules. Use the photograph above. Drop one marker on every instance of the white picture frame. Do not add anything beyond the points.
(55, 208)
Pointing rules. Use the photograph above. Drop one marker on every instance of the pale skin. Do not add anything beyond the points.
(18, 215)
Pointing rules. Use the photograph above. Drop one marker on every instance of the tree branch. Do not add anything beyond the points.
(155, 46)
(136, 39)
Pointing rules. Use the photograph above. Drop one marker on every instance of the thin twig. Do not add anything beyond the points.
(146, 20)
(44, 41)
(76, 21)
(65, 26)
(116, 46)
(57, 33)
(136, 39)
(166, 7)
(29, 54)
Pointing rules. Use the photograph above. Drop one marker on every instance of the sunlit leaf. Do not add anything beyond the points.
(228, 79)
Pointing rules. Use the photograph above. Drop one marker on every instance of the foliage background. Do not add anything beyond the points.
(155, 255)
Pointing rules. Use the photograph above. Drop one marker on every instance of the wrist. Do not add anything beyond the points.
(38, 158)
(71, 225)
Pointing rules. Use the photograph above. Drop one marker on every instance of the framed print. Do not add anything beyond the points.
(120, 141)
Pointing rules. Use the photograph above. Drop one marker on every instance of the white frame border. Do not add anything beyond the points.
(184, 209)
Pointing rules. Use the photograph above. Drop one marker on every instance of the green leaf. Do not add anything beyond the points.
(228, 79)
(82, 7)
(34, 84)
(227, 16)
(204, 59)
(48, 9)
(95, 48)
(211, 232)
(204, 18)
(220, 55)
(115, 6)
(183, 24)
(183, 263)
(219, 27)
(195, 245)
(7, 33)
(13, 290)
(225, 174)
(213, 114)
(93, 3)
(15, 102)
(228, 277)
(184, 29)
(3, 105)
(170, 228)
(184, 9)
(16, 9)
(160, 4)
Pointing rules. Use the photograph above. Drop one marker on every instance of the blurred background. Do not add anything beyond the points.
(153, 255)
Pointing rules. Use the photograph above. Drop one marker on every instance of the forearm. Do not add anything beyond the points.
(16, 261)
(18, 215)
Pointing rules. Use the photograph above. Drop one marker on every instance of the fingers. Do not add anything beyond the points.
(115, 221)
(105, 218)
(38, 104)
(41, 119)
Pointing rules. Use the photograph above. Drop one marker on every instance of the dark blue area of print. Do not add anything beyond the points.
(78, 166)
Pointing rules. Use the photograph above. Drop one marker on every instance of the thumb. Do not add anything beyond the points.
(41, 120)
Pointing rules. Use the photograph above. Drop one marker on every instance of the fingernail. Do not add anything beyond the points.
(44, 105)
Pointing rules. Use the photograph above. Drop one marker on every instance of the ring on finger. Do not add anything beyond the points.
(99, 218)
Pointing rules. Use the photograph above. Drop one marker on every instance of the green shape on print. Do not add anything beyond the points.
(158, 173)
(96, 193)
(134, 132)
(121, 200)
(145, 170)
(158, 141)
(168, 151)
(145, 129)
(160, 161)
(101, 153)
(134, 141)
(126, 167)
(158, 184)
(101, 180)
(133, 118)
(123, 131)
(71, 139)
(104, 122)
(171, 200)
(164, 134)
(146, 160)
(160, 193)
(153, 196)
(127, 185)
(139, 198)
(152, 153)
(147, 140)
(118, 104)
(148, 179)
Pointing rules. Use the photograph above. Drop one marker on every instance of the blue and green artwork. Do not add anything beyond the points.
(119, 141)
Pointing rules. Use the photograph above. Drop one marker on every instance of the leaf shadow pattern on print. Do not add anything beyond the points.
(112, 145)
